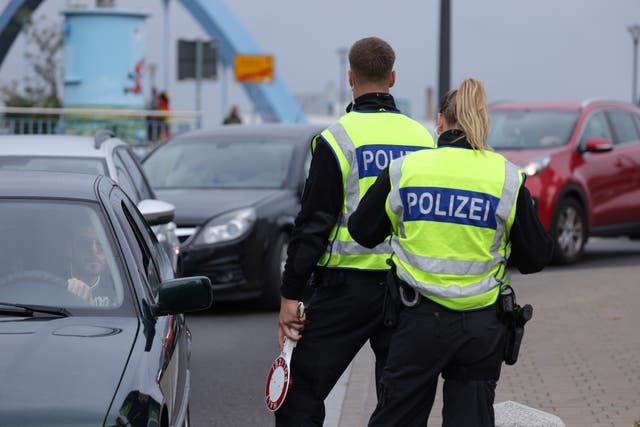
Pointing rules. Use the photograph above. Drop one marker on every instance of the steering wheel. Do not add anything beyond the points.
(34, 276)
(38, 287)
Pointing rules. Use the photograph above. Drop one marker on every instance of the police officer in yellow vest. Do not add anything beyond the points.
(460, 216)
(345, 309)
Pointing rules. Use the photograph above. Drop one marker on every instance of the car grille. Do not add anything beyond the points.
(224, 272)
(184, 233)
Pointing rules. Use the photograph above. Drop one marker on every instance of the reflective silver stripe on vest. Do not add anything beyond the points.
(352, 248)
(442, 265)
(352, 182)
(449, 266)
(395, 172)
(507, 201)
(453, 291)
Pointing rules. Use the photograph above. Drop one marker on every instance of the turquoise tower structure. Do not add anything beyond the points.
(104, 58)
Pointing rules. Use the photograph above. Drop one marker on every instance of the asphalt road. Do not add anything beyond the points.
(234, 345)
(233, 348)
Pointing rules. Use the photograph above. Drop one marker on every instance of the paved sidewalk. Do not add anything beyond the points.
(580, 359)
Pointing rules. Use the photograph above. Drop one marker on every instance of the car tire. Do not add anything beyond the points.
(274, 267)
(569, 231)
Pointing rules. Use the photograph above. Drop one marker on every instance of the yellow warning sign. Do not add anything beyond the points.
(253, 68)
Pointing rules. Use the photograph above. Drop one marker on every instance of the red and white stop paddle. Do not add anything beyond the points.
(279, 377)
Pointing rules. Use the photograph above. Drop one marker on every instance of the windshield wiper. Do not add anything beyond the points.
(28, 310)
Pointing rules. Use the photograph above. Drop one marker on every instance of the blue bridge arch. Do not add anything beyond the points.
(272, 100)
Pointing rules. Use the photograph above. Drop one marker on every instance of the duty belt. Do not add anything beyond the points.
(324, 277)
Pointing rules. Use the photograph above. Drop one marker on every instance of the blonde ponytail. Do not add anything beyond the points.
(471, 113)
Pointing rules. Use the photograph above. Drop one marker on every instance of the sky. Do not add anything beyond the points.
(520, 49)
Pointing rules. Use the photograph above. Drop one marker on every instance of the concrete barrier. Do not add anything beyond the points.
(514, 414)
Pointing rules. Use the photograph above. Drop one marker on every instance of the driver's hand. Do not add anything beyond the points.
(79, 288)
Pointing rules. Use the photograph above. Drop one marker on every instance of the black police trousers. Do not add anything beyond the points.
(343, 314)
(466, 348)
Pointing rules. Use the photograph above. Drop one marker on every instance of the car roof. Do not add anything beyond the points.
(36, 184)
(556, 105)
(290, 131)
(536, 105)
(56, 145)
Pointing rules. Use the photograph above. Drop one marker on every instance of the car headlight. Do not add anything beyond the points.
(226, 227)
(535, 166)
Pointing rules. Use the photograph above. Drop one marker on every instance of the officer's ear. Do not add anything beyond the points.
(392, 79)
(352, 80)
(440, 123)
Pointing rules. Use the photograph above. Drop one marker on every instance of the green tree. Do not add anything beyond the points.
(44, 45)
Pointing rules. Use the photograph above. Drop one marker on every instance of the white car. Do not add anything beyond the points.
(102, 154)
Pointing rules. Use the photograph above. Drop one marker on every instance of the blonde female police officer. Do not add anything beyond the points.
(346, 308)
(458, 214)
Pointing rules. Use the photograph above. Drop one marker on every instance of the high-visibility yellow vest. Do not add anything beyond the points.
(451, 211)
(364, 143)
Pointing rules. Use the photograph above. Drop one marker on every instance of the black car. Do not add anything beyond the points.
(91, 323)
(237, 191)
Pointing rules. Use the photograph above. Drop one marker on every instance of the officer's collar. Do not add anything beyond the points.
(453, 138)
(374, 101)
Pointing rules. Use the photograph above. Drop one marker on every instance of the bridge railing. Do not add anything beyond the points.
(137, 127)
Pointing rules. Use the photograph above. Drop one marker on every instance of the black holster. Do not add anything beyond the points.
(514, 317)
(391, 297)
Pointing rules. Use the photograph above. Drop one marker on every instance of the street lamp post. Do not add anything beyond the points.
(342, 53)
(634, 30)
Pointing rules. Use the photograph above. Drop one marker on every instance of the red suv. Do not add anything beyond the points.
(582, 162)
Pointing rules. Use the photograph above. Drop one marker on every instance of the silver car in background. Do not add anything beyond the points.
(102, 154)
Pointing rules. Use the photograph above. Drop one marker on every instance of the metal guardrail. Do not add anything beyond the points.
(137, 127)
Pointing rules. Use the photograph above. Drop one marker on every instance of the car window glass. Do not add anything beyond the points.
(220, 164)
(523, 129)
(87, 165)
(596, 127)
(75, 265)
(160, 258)
(139, 248)
(636, 119)
(125, 180)
(134, 170)
(148, 265)
(623, 127)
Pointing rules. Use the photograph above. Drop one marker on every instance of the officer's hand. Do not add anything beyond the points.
(79, 288)
(288, 319)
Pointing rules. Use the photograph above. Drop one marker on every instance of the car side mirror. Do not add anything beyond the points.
(183, 295)
(157, 212)
(598, 145)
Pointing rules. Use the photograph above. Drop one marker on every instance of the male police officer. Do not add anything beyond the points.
(346, 308)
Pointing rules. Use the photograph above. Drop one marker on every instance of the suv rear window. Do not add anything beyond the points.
(527, 129)
(624, 129)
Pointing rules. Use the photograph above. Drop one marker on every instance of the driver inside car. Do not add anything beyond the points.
(89, 274)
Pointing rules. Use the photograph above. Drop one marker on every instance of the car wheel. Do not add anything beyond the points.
(273, 277)
(569, 231)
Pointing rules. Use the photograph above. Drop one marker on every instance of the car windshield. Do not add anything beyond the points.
(531, 129)
(58, 254)
(88, 165)
(217, 164)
